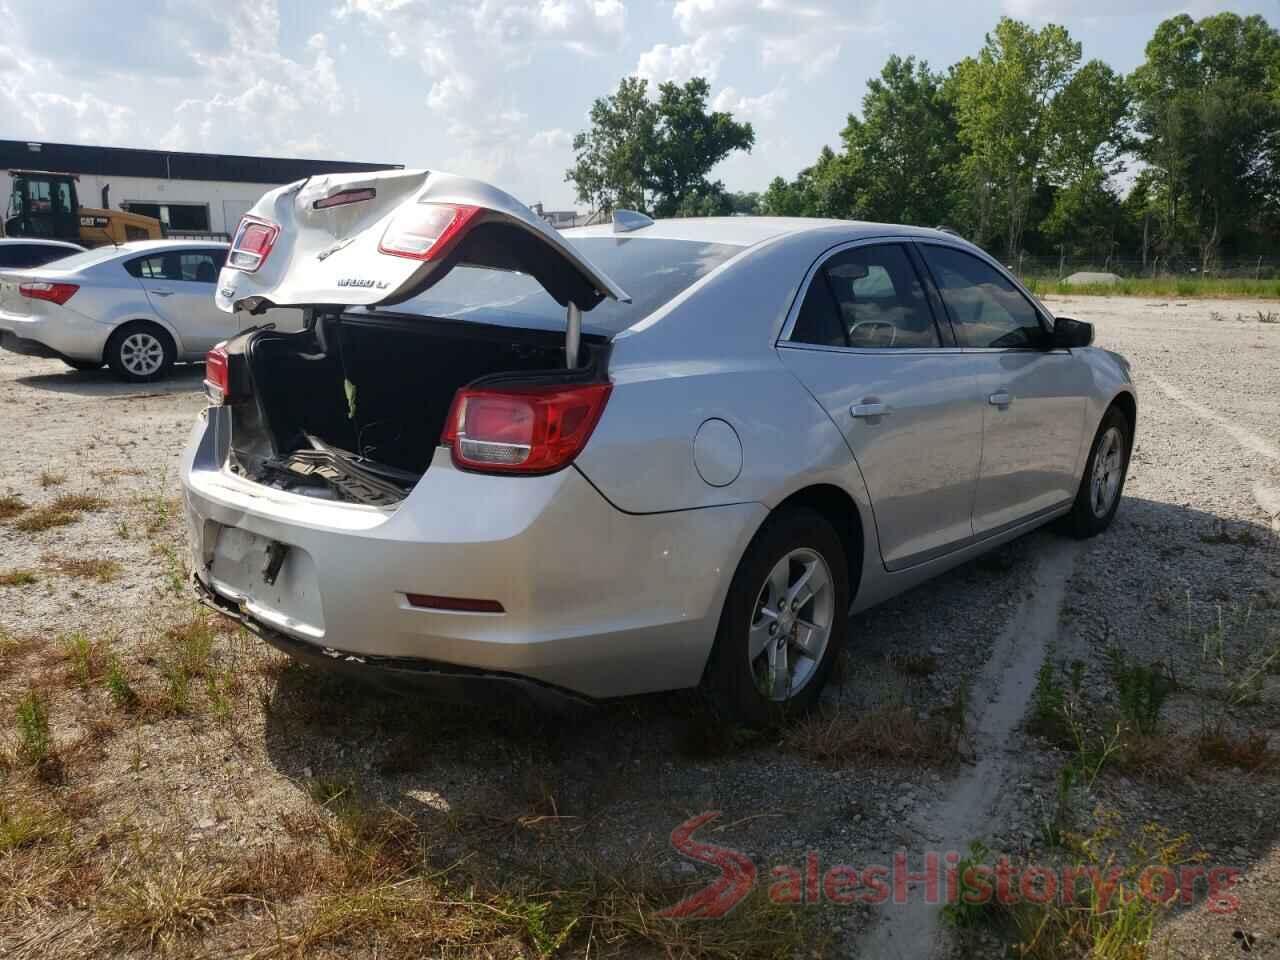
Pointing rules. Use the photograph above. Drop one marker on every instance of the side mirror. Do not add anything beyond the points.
(1068, 333)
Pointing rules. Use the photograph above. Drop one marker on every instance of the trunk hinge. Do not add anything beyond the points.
(572, 334)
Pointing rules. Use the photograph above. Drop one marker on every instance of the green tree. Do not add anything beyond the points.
(655, 156)
(1209, 116)
(1025, 113)
(611, 159)
(901, 159)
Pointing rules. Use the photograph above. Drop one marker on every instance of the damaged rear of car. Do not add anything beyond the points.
(392, 486)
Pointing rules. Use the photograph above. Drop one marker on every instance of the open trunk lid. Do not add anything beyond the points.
(379, 239)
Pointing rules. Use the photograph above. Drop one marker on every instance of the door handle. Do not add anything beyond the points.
(869, 407)
(1000, 398)
(161, 293)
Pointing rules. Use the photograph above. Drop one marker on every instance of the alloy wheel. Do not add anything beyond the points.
(1108, 468)
(142, 353)
(789, 631)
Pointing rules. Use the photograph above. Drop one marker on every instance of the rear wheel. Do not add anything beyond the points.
(140, 352)
(784, 621)
(82, 364)
(1104, 476)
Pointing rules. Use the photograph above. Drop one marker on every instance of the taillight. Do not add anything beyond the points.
(522, 429)
(58, 293)
(344, 197)
(426, 231)
(253, 243)
(217, 377)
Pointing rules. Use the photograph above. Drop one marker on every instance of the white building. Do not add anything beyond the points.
(188, 192)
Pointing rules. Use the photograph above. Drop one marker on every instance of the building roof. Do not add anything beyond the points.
(169, 164)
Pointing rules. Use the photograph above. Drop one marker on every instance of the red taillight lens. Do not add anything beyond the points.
(343, 198)
(426, 231)
(522, 429)
(58, 293)
(253, 243)
(217, 376)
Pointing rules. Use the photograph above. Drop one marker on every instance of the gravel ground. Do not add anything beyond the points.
(1190, 544)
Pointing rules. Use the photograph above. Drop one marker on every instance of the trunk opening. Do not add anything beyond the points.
(353, 407)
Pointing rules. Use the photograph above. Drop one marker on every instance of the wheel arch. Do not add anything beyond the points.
(840, 510)
(152, 320)
(1126, 403)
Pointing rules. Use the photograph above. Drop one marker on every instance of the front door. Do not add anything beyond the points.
(1034, 396)
(180, 286)
(867, 345)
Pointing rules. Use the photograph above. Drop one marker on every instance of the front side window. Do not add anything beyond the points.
(986, 309)
(867, 297)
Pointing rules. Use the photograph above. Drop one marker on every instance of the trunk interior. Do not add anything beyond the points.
(376, 388)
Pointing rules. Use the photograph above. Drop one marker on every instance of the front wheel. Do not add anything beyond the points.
(784, 621)
(1104, 476)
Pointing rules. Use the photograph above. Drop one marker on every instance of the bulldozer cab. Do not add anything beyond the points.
(43, 205)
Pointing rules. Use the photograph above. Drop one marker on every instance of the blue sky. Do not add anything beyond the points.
(483, 87)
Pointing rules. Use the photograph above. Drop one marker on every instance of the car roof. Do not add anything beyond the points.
(747, 231)
(152, 246)
(39, 241)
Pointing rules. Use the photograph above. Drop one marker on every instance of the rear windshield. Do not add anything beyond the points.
(651, 271)
(86, 259)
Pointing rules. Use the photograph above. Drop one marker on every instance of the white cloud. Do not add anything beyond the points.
(554, 139)
(761, 109)
(662, 62)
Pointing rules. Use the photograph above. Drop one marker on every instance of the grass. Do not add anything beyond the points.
(1142, 690)
(66, 509)
(118, 686)
(34, 741)
(84, 657)
(50, 479)
(895, 734)
(87, 568)
(17, 577)
(188, 649)
(1218, 287)
(10, 506)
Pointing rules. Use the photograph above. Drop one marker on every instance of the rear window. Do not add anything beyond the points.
(653, 272)
(86, 259)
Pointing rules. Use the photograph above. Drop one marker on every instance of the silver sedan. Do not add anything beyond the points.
(624, 458)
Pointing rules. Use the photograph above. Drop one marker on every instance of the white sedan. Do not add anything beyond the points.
(138, 307)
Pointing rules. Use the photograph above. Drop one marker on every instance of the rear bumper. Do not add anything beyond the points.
(64, 335)
(441, 682)
(596, 602)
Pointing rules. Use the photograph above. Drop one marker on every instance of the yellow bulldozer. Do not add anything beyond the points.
(43, 204)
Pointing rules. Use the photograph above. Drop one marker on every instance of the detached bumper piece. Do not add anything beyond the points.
(446, 683)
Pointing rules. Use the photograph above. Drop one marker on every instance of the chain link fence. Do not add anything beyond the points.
(1056, 268)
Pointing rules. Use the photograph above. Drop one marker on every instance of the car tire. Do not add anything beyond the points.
(755, 637)
(82, 364)
(140, 352)
(1104, 475)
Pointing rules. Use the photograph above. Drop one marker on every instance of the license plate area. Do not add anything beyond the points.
(273, 582)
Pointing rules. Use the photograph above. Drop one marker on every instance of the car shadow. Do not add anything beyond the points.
(647, 763)
(183, 378)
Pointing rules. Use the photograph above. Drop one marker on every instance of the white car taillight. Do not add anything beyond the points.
(522, 429)
(58, 293)
(426, 231)
(251, 247)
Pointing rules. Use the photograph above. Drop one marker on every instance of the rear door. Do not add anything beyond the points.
(180, 285)
(1034, 397)
(869, 342)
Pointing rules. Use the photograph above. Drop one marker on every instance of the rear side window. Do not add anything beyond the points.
(192, 266)
(986, 309)
(653, 272)
(868, 297)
